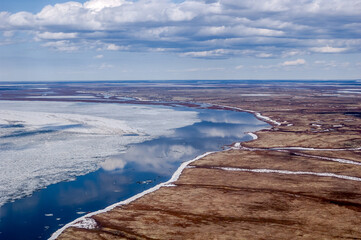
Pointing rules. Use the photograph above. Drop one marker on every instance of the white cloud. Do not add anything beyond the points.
(201, 29)
(217, 53)
(294, 62)
(98, 5)
(62, 45)
(56, 35)
(264, 55)
(113, 47)
(328, 49)
(291, 53)
(239, 67)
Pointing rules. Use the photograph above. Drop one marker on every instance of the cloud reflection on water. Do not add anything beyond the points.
(159, 155)
(155, 157)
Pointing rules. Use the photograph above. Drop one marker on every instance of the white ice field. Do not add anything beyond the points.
(43, 143)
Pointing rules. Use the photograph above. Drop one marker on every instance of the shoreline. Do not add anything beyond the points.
(288, 183)
(88, 223)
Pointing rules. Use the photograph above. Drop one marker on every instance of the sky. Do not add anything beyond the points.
(59, 40)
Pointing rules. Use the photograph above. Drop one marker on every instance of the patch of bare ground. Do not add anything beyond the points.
(214, 204)
(313, 195)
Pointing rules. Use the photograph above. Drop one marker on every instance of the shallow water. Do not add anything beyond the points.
(139, 166)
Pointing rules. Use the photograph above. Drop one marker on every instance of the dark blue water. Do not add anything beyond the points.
(142, 166)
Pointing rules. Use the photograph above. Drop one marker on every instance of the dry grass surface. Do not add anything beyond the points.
(211, 203)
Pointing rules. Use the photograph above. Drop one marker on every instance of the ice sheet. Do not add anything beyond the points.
(42, 143)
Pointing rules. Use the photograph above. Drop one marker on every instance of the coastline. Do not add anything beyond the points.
(81, 223)
(86, 222)
(298, 179)
(268, 187)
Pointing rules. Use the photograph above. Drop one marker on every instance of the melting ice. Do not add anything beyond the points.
(42, 143)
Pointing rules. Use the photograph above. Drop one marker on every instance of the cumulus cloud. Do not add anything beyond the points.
(200, 29)
(294, 62)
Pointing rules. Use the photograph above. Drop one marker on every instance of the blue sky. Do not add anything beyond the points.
(53, 40)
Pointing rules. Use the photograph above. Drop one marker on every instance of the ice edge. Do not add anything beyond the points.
(86, 217)
(169, 183)
(257, 114)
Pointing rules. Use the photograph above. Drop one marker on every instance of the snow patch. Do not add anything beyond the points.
(340, 160)
(254, 136)
(267, 119)
(290, 173)
(169, 185)
(314, 149)
(237, 145)
(86, 223)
